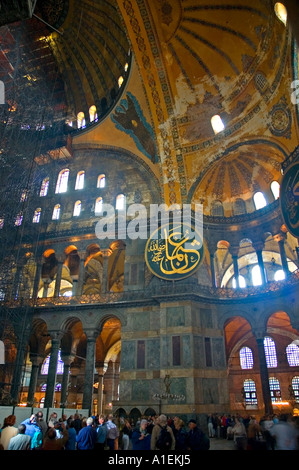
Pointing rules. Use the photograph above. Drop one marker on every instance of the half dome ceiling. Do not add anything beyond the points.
(65, 59)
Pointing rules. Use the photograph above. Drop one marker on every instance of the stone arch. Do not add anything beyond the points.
(135, 414)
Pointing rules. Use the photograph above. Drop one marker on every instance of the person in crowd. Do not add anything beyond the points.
(51, 442)
(161, 425)
(127, 434)
(112, 433)
(240, 435)
(101, 433)
(141, 439)
(87, 436)
(41, 422)
(196, 438)
(71, 442)
(285, 434)
(32, 427)
(180, 435)
(21, 441)
(8, 431)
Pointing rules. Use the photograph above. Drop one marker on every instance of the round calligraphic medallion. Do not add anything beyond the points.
(174, 252)
(289, 198)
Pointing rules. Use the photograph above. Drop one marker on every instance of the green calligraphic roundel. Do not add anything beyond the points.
(174, 252)
(289, 198)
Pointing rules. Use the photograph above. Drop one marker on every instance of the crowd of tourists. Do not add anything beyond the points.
(148, 433)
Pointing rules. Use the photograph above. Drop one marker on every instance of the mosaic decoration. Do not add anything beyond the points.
(129, 118)
(289, 198)
(281, 119)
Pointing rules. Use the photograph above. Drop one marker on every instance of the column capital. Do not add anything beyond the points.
(259, 333)
(101, 367)
(234, 250)
(280, 237)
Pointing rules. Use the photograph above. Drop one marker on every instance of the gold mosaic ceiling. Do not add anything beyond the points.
(198, 59)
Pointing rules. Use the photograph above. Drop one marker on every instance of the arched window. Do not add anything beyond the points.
(62, 181)
(217, 209)
(120, 81)
(120, 202)
(246, 358)
(101, 181)
(36, 217)
(256, 276)
(56, 212)
(1, 222)
(126, 66)
(217, 124)
(77, 209)
(93, 113)
(242, 282)
(239, 207)
(295, 387)
(275, 188)
(274, 389)
(80, 180)
(250, 392)
(270, 352)
(98, 205)
(279, 275)
(44, 187)
(260, 81)
(259, 200)
(60, 365)
(81, 120)
(292, 351)
(19, 219)
(281, 12)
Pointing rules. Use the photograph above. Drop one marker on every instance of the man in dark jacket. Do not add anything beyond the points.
(87, 436)
(196, 438)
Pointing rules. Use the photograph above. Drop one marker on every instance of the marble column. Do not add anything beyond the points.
(234, 251)
(58, 277)
(72, 395)
(89, 370)
(280, 238)
(67, 360)
(264, 372)
(81, 274)
(101, 369)
(105, 286)
(36, 362)
(17, 280)
(37, 279)
(22, 332)
(51, 380)
(259, 246)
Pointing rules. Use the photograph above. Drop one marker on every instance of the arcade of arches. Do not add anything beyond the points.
(136, 105)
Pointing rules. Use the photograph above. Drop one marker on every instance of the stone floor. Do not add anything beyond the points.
(221, 444)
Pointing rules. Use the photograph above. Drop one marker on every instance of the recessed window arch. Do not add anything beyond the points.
(80, 180)
(242, 282)
(36, 216)
(19, 219)
(274, 389)
(81, 120)
(279, 275)
(256, 276)
(270, 352)
(292, 351)
(44, 187)
(101, 182)
(246, 358)
(93, 116)
(56, 212)
(62, 181)
(120, 202)
(217, 209)
(295, 387)
(239, 207)
(250, 392)
(275, 188)
(259, 200)
(77, 208)
(98, 205)
(217, 124)
(281, 12)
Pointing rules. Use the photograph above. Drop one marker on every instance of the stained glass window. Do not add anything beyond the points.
(274, 389)
(60, 365)
(44, 187)
(62, 181)
(250, 392)
(292, 351)
(80, 180)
